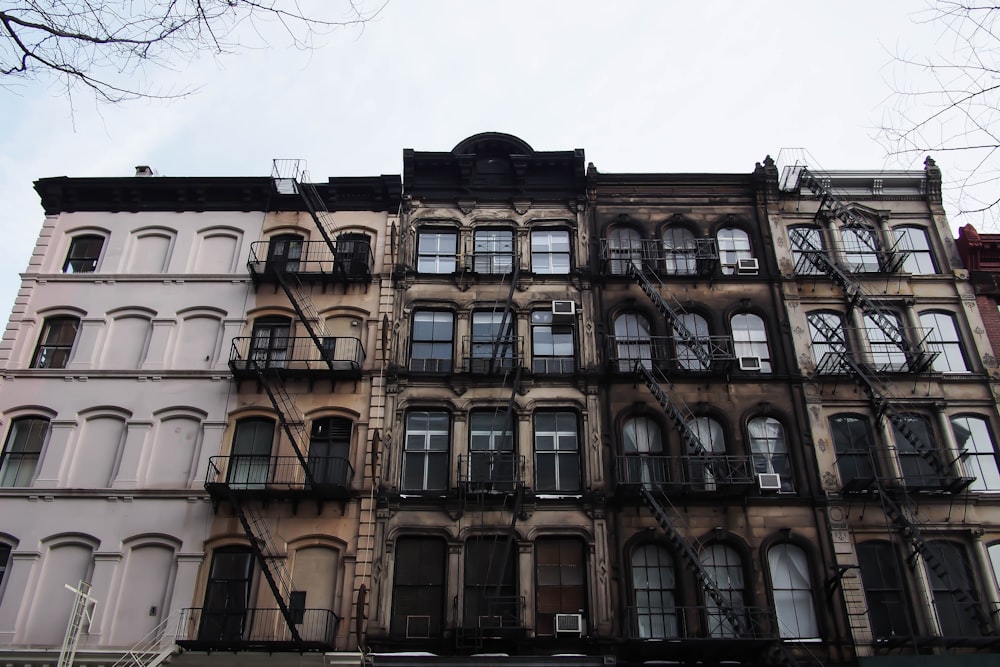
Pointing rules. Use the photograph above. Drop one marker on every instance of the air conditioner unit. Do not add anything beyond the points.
(563, 311)
(418, 627)
(747, 266)
(569, 624)
(769, 481)
(749, 363)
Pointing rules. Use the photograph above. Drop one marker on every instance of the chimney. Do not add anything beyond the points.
(143, 170)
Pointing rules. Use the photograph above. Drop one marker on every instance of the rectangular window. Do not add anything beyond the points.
(56, 342)
(913, 241)
(418, 591)
(557, 452)
(84, 251)
(425, 455)
(552, 345)
(916, 448)
(861, 250)
(250, 467)
(436, 252)
(550, 251)
(942, 337)
(493, 342)
(493, 251)
(491, 599)
(492, 462)
(885, 337)
(560, 587)
(432, 347)
(972, 434)
(22, 451)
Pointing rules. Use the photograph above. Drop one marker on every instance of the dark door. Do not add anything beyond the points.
(284, 253)
(227, 597)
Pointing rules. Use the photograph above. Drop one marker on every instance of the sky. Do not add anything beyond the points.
(641, 86)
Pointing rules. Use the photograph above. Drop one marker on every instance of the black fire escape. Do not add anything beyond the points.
(896, 495)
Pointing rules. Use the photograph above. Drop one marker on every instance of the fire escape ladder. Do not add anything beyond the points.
(883, 405)
(675, 408)
(289, 417)
(506, 332)
(272, 563)
(657, 500)
(672, 314)
(306, 310)
(910, 528)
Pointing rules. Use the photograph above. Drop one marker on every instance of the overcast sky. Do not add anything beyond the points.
(641, 86)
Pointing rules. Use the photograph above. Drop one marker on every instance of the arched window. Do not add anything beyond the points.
(642, 445)
(654, 585)
(679, 251)
(353, 258)
(769, 449)
(854, 446)
(632, 342)
(885, 593)
(943, 338)
(914, 242)
(693, 355)
(914, 447)
(329, 451)
(706, 468)
(418, 592)
(624, 246)
(22, 450)
(724, 566)
(227, 596)
(973, 437)
(271, 345)
(750, 342)
(791, 586)
(734, 245)
(284, 253)
(84, 253)
(807, 249)
(56, 342)
(861, 249)
(953, 586)
(250, 463)
(829, 341)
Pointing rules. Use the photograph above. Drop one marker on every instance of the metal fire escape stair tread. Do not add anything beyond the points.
(670, 313)
(289, 417)
(306, 310)
(674, 407)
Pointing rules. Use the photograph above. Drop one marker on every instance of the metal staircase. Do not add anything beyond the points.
(82, 614)
(307, 312)
(291, 420)
(679, 414)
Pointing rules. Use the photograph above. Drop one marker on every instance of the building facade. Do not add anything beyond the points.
(506, 409)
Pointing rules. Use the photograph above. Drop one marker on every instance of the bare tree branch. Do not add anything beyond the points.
(104, 45)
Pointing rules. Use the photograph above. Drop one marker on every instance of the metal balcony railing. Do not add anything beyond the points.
(690, 474)
(674, 623)
(351, 261)
(257, 629)
(296, 356)
(668, 352)
(496, 472)
(483, 355)
(277, 475)
(692, 258)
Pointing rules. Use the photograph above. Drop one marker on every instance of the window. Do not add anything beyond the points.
(680, 252)
(493, 251)
(492, 462)
(329, 451)
(425, 455)
(885, 335)
(632, 342)
(791, 586)
(750, 340)
(882, 577)
(436, 251)
(492, 342)
(550, 251)
(561, 584)
(557, 452)
(953, 587)
(807, 246)
(227, 596)
(852, 441)
(861, 250)
(354, 255)
(693, 355)
(552, 345)
(972, 434)
(942, 337)
(707, 467)
(270, 342)
(914, 447)
(913, 241)
(624, 247)
(724, 566)
(993, 551)
(642, 444)
(4, 559)
(431, 350)
(734, 245)
(655, 587)
(84, 251)
(284, 253)
(418, 591)
(769, 450)
(250, 465)
(491, 598)
(56, 342)
(22, 450)
(829, 341)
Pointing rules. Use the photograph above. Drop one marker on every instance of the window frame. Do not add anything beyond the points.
(750, 341)
(733, 587)
(28, 452)
(914, 467)
(686, 358)
(90, 261)
(251, 453)
(476, 590)
(437, 260)
(951, 357)
(636, 331)
(820, 344)
(884, 352)
(680, 251)
(429, 595)
(55, 354)
(268, 346)
(643, 451)
(666, 617)
(956, 556)
(289, 259)
(799, 260)
(559, 337)
(549, 252)
(331, 465)
(919, 258)
(493, 251)
(489, 342)
(769, 451)
(434, 461)
(861, 456)
(563, 576)
(624, 245)
(886, 597)
(734, 244)
(784, 586)
(554, 455)
(860, 257)
(975, 461)
(434, 343)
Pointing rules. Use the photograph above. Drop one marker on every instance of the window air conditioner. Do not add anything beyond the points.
(563, 311)
(747, 266)
(749, 363)
(418, 627)
(769, 481)
(569, 624)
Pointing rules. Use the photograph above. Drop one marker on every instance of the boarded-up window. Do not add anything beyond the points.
(97, 453)
(148, 570)
(126, 346)
(150, 252)
(216, 252)
(560, 587)
(63, 565)
(418, 587)
(173, 452)
(198, 343)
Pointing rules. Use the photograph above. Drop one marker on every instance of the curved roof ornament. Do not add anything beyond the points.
(493, 144)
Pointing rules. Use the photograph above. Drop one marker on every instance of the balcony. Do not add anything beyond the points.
(694, 474)
(698, 257)
(490, 472)
(278, 477)
(257, 629)
(492, 355)
(697, 634)
(705, 354)
(339, 357)
(351, 262)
